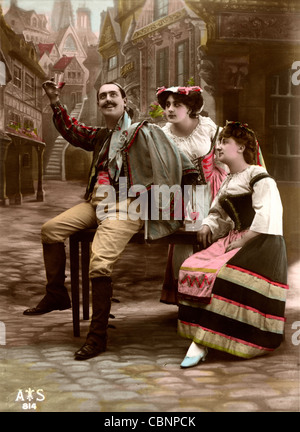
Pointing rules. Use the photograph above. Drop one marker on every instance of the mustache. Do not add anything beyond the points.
(109, 104)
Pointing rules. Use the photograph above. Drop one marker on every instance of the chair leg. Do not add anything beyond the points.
(85, 260)
(74, 271)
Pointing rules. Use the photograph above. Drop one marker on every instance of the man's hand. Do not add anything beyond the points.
(204, 236)
(52, 90)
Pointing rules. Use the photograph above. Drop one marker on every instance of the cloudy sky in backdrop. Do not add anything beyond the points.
(45, 7)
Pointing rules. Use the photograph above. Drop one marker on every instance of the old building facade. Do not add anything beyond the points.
(247, 64)
(22, 156)
(65, 48)
(244, 54)
(147, 44)
(33, 26)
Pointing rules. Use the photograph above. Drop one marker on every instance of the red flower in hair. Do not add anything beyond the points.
(186, 90)
(160, 90)
(179, 90)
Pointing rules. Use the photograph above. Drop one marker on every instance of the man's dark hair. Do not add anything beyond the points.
(122, 91)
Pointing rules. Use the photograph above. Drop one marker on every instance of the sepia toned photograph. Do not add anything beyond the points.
(150, 209)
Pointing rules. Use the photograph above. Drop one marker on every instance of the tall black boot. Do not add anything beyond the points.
(97, 336)
(57, 296)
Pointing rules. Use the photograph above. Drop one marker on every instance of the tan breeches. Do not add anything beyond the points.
(110, 239)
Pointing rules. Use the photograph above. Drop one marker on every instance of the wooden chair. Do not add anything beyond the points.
(80, 254)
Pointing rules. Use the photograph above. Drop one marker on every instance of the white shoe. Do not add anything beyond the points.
(195, 354)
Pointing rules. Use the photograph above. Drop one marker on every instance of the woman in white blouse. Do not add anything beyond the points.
(196, 136)
(232, 294)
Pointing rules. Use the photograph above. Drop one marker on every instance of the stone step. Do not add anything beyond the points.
(53, 170)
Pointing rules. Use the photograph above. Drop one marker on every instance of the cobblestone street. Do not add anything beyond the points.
(140, 370)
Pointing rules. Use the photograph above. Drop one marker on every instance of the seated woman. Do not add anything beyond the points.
(232, 294)
(196, 136)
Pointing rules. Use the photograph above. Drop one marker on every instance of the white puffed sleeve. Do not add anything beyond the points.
(267, 205)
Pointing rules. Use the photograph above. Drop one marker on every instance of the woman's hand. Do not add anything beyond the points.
(236, 244)
(204, 236)
(242, 241)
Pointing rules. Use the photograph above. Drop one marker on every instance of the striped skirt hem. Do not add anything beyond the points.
(245, 316)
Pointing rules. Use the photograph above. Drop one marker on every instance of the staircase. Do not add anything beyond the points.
(55, 169)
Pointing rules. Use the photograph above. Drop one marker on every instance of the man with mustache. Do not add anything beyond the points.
(145, 156)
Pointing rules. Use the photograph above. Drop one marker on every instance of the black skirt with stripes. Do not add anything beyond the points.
(245, 315)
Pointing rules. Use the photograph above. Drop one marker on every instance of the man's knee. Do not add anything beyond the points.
(48, 232)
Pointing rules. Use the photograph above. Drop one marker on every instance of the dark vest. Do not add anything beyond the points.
(239, 207)
(101, 148)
